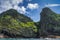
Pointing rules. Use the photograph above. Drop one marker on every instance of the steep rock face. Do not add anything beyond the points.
(15, 24)
(49, 22)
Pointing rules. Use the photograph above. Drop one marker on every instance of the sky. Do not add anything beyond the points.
(30, 8)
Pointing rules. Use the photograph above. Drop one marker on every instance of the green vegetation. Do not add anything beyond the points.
(17, 24)
(14, 24)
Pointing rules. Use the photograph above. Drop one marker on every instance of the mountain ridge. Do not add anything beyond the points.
(14, 24)
(49, 22)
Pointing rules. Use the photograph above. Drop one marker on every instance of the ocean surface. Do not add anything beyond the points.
(29, 39)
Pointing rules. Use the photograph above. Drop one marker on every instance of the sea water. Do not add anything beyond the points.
(29, 39)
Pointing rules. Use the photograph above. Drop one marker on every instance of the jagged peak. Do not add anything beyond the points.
(46, 9)
(15, 14)
(11, 10)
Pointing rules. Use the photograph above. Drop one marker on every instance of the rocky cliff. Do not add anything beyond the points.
(14, 24)
(49, 22)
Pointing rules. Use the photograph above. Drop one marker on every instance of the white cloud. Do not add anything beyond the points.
(32, 6)
(30, 0)
(4, 5)
(20, 9)
(52, 5)
(23, 9)
(8, 4)
(16, 2)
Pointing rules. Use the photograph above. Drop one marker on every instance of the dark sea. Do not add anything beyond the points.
(29, 39)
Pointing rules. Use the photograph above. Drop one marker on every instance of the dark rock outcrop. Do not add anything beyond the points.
(49, 22)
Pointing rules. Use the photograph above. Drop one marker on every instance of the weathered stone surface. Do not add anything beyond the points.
(49, 22)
